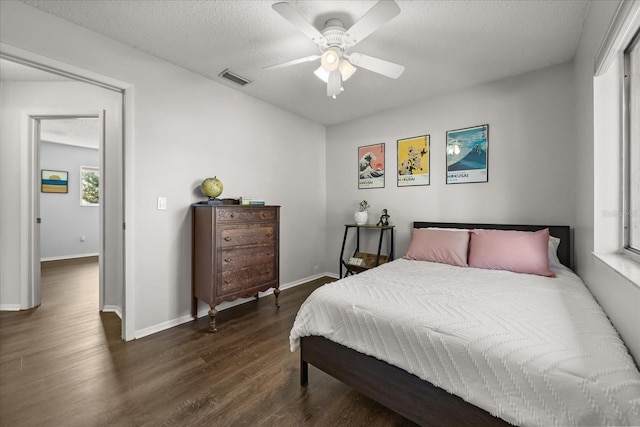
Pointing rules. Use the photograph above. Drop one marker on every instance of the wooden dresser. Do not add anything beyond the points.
(235, 254)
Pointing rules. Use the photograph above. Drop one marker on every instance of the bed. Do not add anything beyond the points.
(455, 354)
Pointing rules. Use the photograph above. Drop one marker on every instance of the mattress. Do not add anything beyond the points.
(531, 350)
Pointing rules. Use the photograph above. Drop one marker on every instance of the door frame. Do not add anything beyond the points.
(45, 63)
(32, 295)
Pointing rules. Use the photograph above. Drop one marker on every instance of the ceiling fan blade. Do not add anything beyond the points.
(290, 14)
(334, 84)
(381, 13)
(294, 62)
(376, 65)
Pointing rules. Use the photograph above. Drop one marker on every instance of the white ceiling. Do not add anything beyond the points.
(445, 45)
(81, 132)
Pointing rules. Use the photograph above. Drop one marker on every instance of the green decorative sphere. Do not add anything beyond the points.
(211, 187)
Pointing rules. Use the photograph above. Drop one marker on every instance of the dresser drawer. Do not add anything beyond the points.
(245, 236)
(233, 259)
(244, 214)
(234, 280)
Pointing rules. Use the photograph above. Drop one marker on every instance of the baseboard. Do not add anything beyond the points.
(225, 305)
(10, 307)
(161, 326)
(59, 258)
(305, 280)
(113, 309)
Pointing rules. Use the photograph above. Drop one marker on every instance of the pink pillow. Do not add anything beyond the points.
(518, 251)
(443, 246)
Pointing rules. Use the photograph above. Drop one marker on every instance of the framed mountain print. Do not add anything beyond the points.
(413, 161)
(371, 166)
(468, 155)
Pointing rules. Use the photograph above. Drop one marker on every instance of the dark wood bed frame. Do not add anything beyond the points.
(395, 388)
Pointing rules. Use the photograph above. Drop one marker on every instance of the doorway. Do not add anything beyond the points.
(70, 94)
(69, 155)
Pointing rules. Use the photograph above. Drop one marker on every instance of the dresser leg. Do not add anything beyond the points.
(212, 321)
(276, 292)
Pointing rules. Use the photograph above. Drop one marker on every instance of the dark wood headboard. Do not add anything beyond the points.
(563, 232)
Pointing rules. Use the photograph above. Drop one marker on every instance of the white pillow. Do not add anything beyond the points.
(448, 229)
(554, 242)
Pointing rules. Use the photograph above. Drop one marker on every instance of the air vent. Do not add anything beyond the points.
(226, 74)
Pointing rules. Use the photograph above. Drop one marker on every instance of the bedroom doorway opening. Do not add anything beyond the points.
(69, 220)
(66, 93)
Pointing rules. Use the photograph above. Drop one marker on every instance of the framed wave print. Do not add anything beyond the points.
(371, 166)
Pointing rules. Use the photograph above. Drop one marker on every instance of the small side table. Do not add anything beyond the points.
(369, 260)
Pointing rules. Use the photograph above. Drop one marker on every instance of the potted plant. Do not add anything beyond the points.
(361, 215)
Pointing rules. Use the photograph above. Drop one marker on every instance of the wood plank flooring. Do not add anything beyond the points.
(63, 364)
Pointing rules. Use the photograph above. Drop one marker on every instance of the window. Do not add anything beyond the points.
(632, 149)
(90, 186)
(616, 105)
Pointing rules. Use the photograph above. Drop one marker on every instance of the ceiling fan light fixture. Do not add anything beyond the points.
(322, 74)
(336, 65)
(346, 69)
(334, 84)
(330, 60)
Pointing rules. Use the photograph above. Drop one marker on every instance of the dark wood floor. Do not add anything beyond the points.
(63, 363)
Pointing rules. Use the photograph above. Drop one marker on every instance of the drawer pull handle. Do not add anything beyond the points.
(264, 214)
(269, 234)
(268, 253)
(232, 215)
(267, 271)
(227, 281)
(227, 239)
(227, 260)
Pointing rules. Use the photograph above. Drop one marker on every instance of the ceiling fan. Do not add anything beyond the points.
(334, 42)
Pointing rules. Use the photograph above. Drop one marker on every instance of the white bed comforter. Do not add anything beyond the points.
(529, 349)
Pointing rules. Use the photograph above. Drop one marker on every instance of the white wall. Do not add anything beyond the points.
(531, 163)
(18, 100)
(598, 175)
(64, 220)
(187, 128)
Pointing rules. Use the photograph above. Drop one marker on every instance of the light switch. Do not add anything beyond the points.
(162, 203)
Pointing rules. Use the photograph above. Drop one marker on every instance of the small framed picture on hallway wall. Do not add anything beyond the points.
(54, 181)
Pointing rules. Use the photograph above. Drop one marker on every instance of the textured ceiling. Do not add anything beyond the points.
(82, 132)
(445, 45)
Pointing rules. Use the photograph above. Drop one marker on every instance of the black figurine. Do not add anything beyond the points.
(384, 219)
